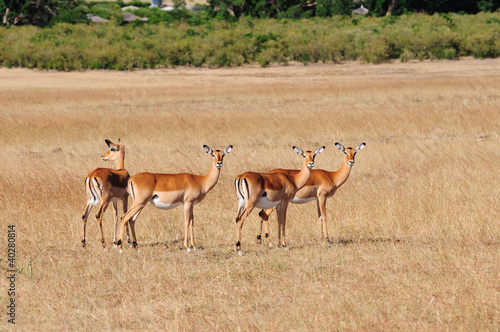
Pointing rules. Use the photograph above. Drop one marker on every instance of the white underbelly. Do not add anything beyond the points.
(164, 206)
(264, 203)
(303, 200)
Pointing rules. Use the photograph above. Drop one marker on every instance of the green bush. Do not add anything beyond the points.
(375, 49)
(65, 46)
(422, 37)
(479, 35)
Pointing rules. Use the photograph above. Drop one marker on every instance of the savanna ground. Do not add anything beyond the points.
(416, 226)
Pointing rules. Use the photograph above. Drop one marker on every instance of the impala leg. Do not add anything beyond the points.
(115, 214)
(129, 238)
(281, 210)
(125, 206)
(115, 209)
(322, 218)
(131, 214)
(268, 238)
(241, 208)
(84, 219)
(102, 209)
(191, 228)
(259, 235)
(319, 219)
(278, 209)
(239, 224)
(131, 224)
(188, 226)
(264, 214)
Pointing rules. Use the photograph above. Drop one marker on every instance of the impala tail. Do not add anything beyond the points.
(91, 186)
(130, 189)
(241, 191)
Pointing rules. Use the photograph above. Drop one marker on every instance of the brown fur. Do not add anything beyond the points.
(107, 185)
(321, 185)
(183, 188)
(279, 188)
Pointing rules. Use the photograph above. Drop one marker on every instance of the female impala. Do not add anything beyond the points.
(266, 190)
(104, 185)
(321, 185)
(166, 191)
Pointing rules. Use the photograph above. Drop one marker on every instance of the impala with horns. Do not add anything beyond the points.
(105, 185)
(321, 185)
(167, 191)
(270, 190)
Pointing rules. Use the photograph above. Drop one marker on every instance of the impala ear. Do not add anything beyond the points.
(227, 150)
(340, 147)
(319, 150)
(298, 150)
(112, 146)
(360, 147)
(207, 149)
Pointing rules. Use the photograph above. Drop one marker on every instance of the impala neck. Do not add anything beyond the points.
(342, 174)
(302, 177)
(210, 180)
(120, 162)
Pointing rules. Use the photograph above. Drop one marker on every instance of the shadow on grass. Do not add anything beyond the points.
(174, 244)
(369, 240)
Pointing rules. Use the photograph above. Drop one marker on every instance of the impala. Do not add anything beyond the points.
(269, 190)
(167, 191)
(321, 185)
(104, 185)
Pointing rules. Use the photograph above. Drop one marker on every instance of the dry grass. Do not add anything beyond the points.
(416, 225)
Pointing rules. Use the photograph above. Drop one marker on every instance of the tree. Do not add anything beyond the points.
(33, 12)
(392, 6)
(266, 8)
(397, 7)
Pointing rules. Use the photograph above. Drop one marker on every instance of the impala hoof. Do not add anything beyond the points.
(121, 251)
(240, 252)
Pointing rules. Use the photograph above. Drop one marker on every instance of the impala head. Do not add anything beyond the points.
(350, 152)
(309, 155)
(218, 154)
(115, 150)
